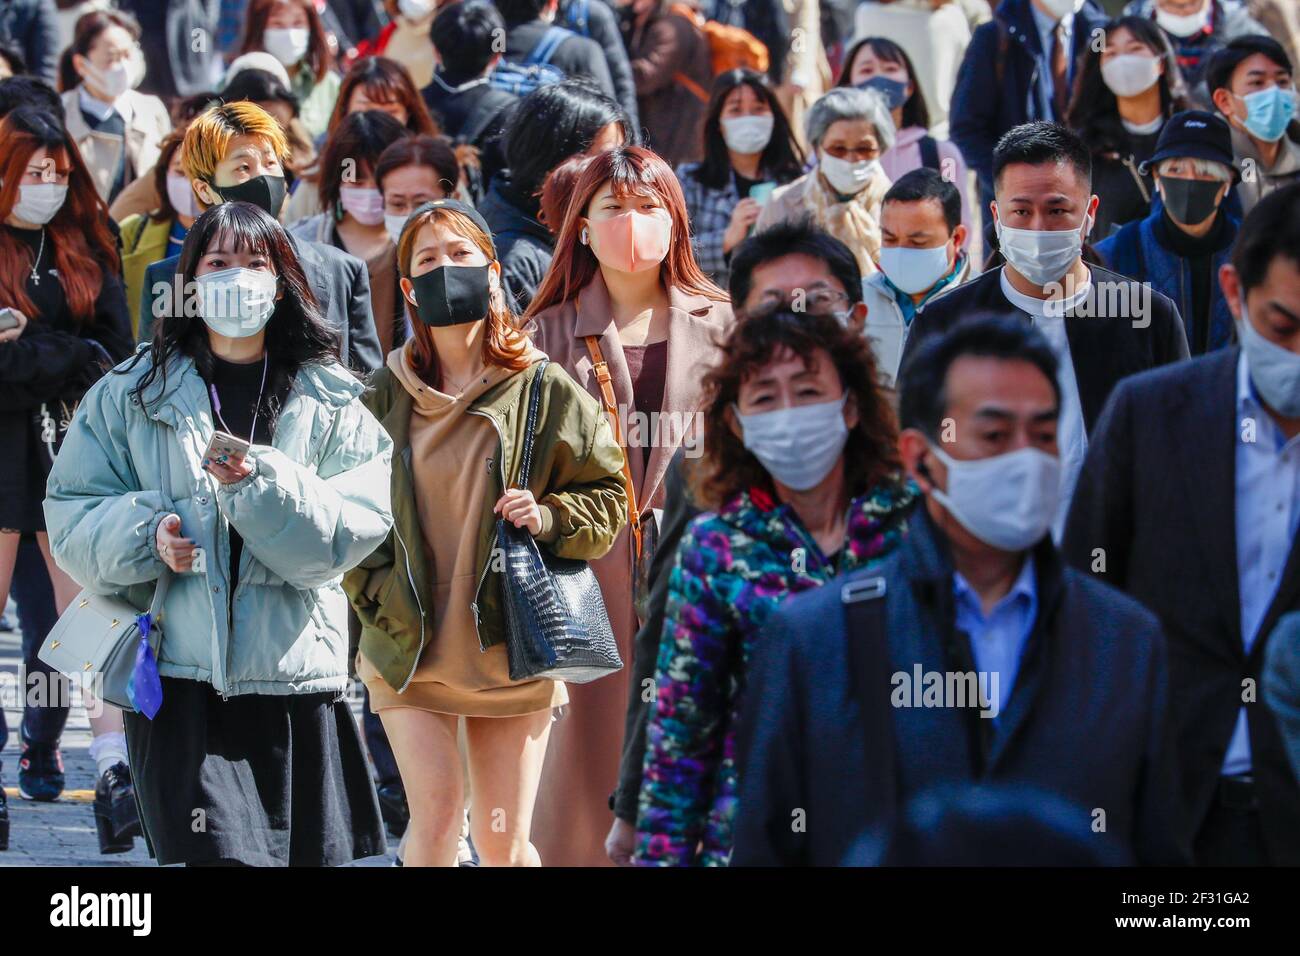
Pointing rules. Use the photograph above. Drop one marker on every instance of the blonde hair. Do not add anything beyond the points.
(207, 139)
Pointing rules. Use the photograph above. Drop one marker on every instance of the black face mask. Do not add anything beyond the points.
(1190, 202)
(895, 92)
(452, 295)
(265, 192)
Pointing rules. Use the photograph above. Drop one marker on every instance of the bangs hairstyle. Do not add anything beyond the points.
(355, 147)
(782, 159)
(296, 335)
(727, 467)
(80, 240)
(915, 112)
(318, 56)
(207, 138)
(504, 344)
(385, 81)
(433, 152)
(632, 171)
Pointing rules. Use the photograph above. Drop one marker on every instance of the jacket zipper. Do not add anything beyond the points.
(410, 578)
(488, 563)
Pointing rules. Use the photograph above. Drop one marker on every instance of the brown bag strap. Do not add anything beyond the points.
(699, 92)
(601, 368)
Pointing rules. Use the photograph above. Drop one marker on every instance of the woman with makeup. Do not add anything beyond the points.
(455, 401)
(624, 294)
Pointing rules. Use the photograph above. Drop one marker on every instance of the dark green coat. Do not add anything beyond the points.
(577, 472)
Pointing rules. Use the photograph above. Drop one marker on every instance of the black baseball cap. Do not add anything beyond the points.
(454, 205)
(1194, 134)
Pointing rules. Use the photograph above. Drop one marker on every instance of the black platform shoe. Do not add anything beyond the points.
(393, 809)
(116, 821)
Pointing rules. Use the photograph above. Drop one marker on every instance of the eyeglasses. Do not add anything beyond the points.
(819, 300)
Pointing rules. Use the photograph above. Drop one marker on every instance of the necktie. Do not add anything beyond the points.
(1060, 72)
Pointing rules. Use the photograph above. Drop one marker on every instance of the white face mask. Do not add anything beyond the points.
(1130, 73)
(237, 302)
(1275, 371)
(1042, 256)
(181, 195)
(798, 446)
(914, 270)
(394, 224)
(287, 45)
(747, 134)
(848, 179)
(414, 9)
(38, 203)
(1060, 8)
(114, 81)
(1183, 26)
(1007, 501)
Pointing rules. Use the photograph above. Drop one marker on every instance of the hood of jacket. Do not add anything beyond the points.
(506, 209)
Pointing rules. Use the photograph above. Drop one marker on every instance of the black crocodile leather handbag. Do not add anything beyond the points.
(556, 625)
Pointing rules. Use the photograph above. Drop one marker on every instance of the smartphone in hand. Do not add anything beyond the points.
(224, 446)
(8, 320)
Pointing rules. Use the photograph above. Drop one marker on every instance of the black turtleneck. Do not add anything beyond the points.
(1199, 253)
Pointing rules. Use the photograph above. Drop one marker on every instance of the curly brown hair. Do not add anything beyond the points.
(727, 467)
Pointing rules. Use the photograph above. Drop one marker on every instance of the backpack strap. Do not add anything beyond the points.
(929, 153)
(601, 369)
(547, 45)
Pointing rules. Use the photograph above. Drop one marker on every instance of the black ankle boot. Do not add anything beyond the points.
(4, 815)
(116, 821)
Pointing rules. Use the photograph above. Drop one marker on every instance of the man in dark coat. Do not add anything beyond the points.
(1189, 503)
(595, 19)
(32, 27)
(528, 21)
(971, 655)
(1006, 77)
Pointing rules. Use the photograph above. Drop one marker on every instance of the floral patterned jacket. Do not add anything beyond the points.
(733, 569)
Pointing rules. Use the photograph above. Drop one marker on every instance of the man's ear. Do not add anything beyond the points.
(206, 194)
(959, 239)
(1223, 102)
(913, 448)
(858, 316)
(1230, 284)
(408, 290)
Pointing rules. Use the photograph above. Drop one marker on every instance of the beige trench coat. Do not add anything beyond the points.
(581, 770)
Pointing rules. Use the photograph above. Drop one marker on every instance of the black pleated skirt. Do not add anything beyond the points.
(260, 779)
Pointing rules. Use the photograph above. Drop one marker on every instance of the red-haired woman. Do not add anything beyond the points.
(292, 32)
(62, 298)
(623, 288)
(454, 401)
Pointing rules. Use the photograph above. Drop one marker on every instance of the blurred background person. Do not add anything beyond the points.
(749, 150)
(881, 64)
(597, 20)
(117, 129)
(292, 32)
(545, 128)
(31, 27)
(405, 39)
(672, 69)
(175, 69)
(1252, 83)
(624, 290)
(465, 105)
(61, 278)
(801, 481)
(530, 23)
(921, 256)
(849, 129)
(1180, 246)
(1123, 96)
(1196, 30)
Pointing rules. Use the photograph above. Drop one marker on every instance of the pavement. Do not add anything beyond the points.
(62, 833)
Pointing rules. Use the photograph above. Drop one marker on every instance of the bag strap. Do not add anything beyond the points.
(164, 579)
(601, 368)
(534, 393)
(929, 153)
(547, 45)
(699, 92)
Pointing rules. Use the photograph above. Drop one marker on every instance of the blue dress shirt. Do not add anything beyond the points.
(997, 642)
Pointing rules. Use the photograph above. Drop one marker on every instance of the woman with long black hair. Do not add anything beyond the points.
(253, 756)
(61, 294)
(749, 149)
(1125, 91)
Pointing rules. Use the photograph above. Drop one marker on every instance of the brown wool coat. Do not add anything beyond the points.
(581, 770)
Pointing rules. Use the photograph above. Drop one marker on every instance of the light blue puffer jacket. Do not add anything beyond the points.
(316, 503)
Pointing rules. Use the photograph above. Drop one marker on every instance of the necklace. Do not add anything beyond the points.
(36, 278)
(216, 403)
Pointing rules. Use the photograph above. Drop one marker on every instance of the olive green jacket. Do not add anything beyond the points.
(577, 476)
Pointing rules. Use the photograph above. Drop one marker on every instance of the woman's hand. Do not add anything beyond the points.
(743, 218)
(177, 552)
(520, 508)
(621, 842)
(228, 472)
(9, 335)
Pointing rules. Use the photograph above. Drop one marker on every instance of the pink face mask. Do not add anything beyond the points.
(633, 241)
(366, 205)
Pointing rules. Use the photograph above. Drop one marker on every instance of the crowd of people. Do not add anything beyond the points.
(920, 381)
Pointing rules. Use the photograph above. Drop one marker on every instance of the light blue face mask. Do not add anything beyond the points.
(1268, 112)
(1274, 371)
(798, 446)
